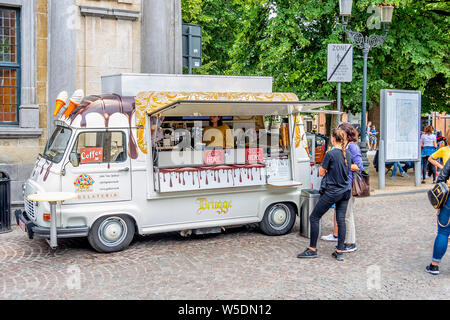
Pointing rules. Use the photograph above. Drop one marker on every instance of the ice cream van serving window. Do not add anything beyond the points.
(99, 147)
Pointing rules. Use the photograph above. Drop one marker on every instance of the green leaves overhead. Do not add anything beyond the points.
(288, 39)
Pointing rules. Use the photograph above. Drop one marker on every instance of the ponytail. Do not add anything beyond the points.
(340, 137)
(344, 153)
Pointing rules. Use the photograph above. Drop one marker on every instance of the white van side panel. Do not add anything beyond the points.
(181, 211)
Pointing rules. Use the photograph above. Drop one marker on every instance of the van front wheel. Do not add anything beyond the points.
(111, 234)
(279, 219)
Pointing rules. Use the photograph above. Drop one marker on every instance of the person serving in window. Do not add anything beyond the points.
(218, 134)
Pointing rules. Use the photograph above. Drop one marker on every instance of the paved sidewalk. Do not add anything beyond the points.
(395, 240)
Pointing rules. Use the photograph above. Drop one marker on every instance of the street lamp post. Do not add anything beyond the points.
(365, 43)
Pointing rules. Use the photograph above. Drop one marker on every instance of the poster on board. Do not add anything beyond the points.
(400, 124)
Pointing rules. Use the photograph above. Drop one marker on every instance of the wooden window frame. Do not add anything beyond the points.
(15, 66)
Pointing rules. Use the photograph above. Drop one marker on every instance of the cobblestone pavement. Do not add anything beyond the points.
(395, 240)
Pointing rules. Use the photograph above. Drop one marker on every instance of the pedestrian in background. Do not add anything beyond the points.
(373, 138)
(368, 134)
(441, 140)
(443, 153)
(398, 166)
(334, 189)
(429, 144)
(443, 233)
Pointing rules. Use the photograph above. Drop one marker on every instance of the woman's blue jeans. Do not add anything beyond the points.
(441, 242)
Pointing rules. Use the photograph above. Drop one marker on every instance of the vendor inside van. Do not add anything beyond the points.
(218, 134)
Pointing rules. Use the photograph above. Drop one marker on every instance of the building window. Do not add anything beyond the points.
(9, 65)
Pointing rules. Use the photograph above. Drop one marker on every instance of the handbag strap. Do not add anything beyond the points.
(439, 212)
(439, 223)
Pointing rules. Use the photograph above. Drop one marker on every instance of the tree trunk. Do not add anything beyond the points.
(334, 118)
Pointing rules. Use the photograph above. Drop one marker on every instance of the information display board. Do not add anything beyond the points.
(400, 124)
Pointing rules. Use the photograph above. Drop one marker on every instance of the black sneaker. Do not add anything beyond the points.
(308, 254)
(350, 248)
(434, 270)
(338, 255)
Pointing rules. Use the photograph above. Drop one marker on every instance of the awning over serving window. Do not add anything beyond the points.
(207, 104)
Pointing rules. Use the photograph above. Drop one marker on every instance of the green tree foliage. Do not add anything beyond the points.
(288, 40)
(221, 21)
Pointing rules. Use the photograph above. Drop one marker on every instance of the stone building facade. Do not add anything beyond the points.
(49, 46)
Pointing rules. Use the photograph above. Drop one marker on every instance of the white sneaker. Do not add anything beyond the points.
(403, 174)
(329, 237)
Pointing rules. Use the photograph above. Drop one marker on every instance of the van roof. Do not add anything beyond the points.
(104, 110)
(222, 104)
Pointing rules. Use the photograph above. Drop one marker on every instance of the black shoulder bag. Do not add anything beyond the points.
(438, 195)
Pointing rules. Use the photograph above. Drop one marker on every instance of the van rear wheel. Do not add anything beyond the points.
(279, 219)
(111, 234)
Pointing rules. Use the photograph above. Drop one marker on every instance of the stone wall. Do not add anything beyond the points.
(42, 66)
(20, 146)
(70, 44)
(108, 41)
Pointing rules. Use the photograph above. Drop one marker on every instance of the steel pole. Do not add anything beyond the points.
(339, 101)
(364, 96)
(363, 111)
(53, 232)
(417, 173)
(381, 166)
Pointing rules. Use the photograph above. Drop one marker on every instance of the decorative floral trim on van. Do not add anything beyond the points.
(151, 101)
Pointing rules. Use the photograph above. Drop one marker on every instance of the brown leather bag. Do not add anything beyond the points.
(361, 184)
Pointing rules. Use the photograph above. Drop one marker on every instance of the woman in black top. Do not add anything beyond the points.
(335, 188)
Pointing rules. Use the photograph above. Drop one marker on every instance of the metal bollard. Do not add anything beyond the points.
(309, 199)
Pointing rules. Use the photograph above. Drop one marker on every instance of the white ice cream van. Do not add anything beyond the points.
(138, 161)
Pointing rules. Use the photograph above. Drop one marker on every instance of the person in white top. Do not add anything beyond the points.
(428, 142)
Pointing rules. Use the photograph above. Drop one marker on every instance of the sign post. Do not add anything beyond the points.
(400, 131)
(340, 67)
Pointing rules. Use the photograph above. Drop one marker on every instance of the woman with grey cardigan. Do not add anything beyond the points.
(352, 146)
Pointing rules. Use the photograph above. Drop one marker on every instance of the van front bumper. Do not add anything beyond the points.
(35, 231)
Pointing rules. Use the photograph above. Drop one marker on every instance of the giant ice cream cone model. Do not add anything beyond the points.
(60, 102)
(75, 101)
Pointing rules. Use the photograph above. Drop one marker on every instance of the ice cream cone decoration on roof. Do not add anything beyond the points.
(75, 101)
(60, 102)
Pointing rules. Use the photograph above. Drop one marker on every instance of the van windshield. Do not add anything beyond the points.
(57, 144)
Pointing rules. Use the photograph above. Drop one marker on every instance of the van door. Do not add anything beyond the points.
(99, 168)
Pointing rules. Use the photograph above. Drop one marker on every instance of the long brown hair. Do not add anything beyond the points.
(429, 129)
(350, 131)
(340, 137)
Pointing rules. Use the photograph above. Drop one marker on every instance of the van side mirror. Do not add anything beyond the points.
(74, 160)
